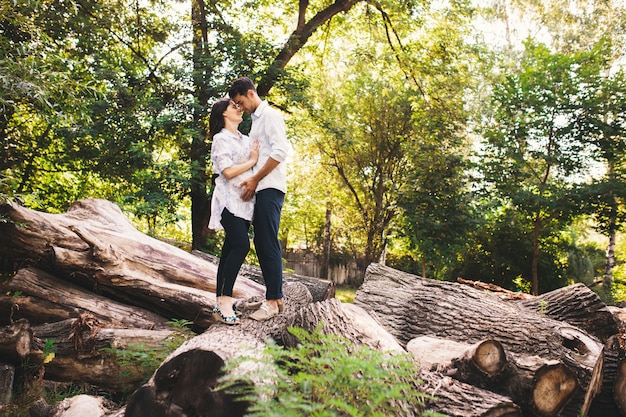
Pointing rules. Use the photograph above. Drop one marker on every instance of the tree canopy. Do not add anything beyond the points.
(420, 141)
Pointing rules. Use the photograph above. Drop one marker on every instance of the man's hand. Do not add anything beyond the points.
(249, 188)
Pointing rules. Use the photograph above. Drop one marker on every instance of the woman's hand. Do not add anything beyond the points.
(254, 151)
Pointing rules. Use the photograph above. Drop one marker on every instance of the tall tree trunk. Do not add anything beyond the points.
(326, 244)
(607, 281)
(200, 201)
(535, 260)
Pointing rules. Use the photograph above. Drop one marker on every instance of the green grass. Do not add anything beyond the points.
(345, 293)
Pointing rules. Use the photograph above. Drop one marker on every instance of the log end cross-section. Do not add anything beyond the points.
(554, 386)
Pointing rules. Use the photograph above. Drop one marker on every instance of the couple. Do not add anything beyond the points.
(250, 187)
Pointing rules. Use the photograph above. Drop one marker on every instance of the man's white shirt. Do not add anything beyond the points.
(268, 127)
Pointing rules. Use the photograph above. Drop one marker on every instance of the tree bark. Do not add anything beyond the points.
(577, 305)
(85, 351)
(45, 298)
(94, 246)
(456, 399)
(410, 306)
(620, 387)
(16, 342)
(611, 393)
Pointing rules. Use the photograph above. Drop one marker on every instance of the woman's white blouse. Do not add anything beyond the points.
(228, 150)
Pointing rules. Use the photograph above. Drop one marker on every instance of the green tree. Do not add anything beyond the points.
(533, 151)
(602, 124)
(221, 41)
(102, 103)
(435, 199)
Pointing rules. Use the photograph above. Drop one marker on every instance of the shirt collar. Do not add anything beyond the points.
(259, 110)
(229, 133)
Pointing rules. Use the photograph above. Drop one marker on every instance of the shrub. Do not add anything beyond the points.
(327, 375)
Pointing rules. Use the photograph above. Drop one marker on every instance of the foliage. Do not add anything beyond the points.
(500, 252)
(109, 99)
(99, 106)
(326, 375)
(146, 359)
(535, 145)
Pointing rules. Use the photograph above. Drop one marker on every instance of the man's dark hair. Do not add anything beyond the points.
(240, 87)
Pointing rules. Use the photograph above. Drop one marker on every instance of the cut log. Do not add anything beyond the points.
(409, 306)
(188, 378)
(85, 351)
(16, 342)
(554, 387)
(96, 247)
(198, 363)
(548, 385)
(577, 305)
(45, 298)
(486, 358)
(86, 335)
(320, 289)
(457, 399)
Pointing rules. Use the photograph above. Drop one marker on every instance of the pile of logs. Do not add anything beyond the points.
(90, 281)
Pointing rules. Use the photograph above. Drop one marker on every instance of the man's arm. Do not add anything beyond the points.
(251, 183)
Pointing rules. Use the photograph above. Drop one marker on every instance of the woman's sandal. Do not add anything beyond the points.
(230, 320)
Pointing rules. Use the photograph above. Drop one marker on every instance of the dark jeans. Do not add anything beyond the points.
(267, 209)
(234, 250)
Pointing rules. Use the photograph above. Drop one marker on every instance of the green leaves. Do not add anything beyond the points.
(327, 376)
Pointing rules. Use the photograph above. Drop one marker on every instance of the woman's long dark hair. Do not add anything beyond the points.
(216, 118)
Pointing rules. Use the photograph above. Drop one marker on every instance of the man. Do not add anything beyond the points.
(269, 182)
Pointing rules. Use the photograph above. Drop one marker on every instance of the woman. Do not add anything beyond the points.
(233, 155)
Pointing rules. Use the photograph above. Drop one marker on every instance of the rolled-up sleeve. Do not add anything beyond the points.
(277, 135)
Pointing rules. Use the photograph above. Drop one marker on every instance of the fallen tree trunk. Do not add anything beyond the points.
(200, 363)
(463, 314)
(486, 359)
(456, 399)
(548, 385)
(44, 298)
(577, 305)
(95, 246)
(85, 351)
(16, 342)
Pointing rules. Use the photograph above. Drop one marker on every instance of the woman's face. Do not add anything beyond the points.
(233, 113)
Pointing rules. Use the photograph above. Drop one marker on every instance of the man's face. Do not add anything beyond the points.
(245, 102)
